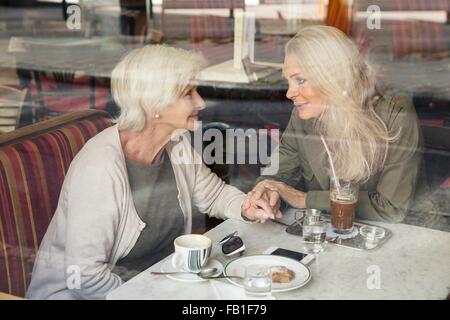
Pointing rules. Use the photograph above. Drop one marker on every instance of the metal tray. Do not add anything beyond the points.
(357, 242)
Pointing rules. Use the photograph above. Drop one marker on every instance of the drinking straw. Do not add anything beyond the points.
(330, 159)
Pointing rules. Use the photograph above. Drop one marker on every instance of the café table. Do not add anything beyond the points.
(95, 57)
(413, 264)
(7, 296)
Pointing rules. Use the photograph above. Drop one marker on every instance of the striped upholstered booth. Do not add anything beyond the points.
(33, 163)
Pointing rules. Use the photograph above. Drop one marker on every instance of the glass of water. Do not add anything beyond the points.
(257, 280)
(314, 233)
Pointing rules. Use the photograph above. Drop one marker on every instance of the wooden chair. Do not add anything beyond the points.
(198, 5)
(339, 15)
(11, 103)
(133, 18)
(62, 90)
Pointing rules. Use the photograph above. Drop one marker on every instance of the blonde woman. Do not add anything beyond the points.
(373, 140)
(129, 192)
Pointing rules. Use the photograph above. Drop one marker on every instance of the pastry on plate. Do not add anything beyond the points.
(281, 274)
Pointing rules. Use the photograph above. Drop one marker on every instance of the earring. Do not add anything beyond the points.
(157, 116)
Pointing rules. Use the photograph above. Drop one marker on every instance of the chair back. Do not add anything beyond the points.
(33, 163)
(67, 84)
(11, 103)
(339, 15)
(201, 25)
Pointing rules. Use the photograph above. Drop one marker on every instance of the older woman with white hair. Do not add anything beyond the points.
(129, 192)
(372, 140)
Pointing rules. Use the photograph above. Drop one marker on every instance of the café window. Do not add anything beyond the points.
(339, 92)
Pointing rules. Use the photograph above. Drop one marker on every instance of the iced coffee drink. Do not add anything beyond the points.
(343, 199)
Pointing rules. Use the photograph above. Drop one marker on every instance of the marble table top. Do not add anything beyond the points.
(413, 264)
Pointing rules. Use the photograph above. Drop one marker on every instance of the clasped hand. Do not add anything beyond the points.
(263, 202)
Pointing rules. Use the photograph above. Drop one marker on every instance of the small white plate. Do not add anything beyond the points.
(187, 277)
(237, 268)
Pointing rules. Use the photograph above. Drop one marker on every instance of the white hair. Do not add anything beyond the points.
(148, 79)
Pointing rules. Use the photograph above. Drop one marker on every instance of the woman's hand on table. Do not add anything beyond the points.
(295, 198)
(261, 208)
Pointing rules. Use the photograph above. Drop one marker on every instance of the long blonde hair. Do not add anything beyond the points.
(356, 136)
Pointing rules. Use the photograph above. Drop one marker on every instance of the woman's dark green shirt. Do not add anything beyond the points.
(387, 194)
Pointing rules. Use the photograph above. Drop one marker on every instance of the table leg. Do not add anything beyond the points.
(40, 113)
(64, 9)
(92, 89)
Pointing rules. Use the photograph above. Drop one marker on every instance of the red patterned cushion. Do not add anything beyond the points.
(422, 38)
(445, 184)
(72, 103)
(31, 175)
(209, 27)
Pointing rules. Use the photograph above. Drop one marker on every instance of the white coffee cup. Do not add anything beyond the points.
(191, 252)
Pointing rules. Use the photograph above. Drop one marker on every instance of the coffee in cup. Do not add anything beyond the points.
(191, 252)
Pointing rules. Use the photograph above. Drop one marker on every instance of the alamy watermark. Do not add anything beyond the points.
(374, 19)
(73, 277)
(373, 282)
(230, 146)
(73, 21)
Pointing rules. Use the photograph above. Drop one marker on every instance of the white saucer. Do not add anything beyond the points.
(186, 277)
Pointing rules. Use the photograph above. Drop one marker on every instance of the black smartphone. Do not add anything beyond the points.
(290, 254)
(299, 256)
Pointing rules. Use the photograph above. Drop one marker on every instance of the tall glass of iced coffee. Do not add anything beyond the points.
(343, 197)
